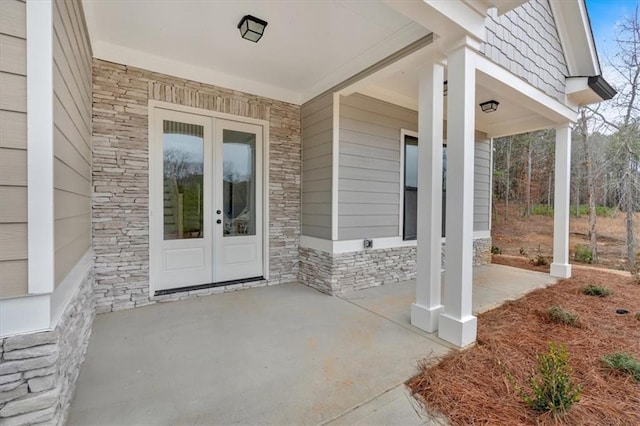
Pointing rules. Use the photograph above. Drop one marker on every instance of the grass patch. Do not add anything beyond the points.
(623, 362)
(583, 210)
(583, 254)
(560, 315)
(596, 290)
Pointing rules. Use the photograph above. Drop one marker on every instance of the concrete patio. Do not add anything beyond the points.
(274, 355)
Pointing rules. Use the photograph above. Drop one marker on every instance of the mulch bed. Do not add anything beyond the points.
(471, 386)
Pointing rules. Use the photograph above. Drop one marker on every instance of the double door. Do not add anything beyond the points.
(206, 200)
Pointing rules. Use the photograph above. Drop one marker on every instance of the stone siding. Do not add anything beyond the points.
(38, 371)
(526, 42)
(345, 272)
(121, 170)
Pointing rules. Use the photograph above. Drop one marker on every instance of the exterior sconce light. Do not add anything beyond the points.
(252, 28)
(445, 87)
(489, 106)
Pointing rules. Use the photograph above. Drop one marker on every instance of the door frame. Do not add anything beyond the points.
(155, 233)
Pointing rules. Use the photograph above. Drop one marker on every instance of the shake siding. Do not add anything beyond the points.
(13, 149)
(72, 136)
(369, 168)
(317, 159)
(526, 42)
(482, 186)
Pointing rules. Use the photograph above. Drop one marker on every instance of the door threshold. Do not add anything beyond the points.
(204, 286)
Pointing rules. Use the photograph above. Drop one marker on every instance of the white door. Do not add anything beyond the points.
(206, 201)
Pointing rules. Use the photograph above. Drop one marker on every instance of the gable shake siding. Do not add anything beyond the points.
(121, 186)
(526, 42)
(13, 148)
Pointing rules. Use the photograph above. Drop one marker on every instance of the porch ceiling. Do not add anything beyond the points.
(516, 113)
(308, 47)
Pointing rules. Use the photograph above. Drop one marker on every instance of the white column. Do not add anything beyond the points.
(457, 324)
(560, 267)
(426, 311)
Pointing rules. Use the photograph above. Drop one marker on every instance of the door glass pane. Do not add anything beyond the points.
(183, 152)
(239, 183)
(410, 187)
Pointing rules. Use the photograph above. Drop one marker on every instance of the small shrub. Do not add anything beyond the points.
(559, 315)
(552, 388)
(522, 252)
(495, 250)
(583, 254)
(623, 362)
(637, 316)
(596, 290)
(539, 260)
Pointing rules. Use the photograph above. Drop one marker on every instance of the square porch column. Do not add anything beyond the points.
(457, 323)
(425, 312)
(560, 267)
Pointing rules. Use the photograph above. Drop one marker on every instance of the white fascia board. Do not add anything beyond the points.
(40, 211)
(164, 65)
(579, 92)
(574, 29)
(27, 314)
(449, 19)
(505, 6)
(534, 98)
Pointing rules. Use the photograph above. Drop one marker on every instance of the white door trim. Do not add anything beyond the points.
(153, 107)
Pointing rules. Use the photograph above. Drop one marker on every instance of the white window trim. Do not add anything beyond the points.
(403, 134)
(154, 105)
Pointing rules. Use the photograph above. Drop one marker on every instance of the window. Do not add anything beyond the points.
(410, 215)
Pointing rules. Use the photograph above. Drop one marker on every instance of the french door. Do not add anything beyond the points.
(206, 200)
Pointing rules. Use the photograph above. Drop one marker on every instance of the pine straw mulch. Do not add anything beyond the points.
(471, 386)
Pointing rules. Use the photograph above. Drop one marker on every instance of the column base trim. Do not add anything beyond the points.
(425, 318)
(460, 332)
(560, 270)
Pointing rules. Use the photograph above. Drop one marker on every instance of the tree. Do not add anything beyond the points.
(625, 124)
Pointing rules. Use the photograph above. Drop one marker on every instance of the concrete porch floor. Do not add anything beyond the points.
(273, 355)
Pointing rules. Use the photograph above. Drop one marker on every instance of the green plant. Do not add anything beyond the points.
(541, 210)
(552, 388)
(522, 252)
(560, 315)
(539, 260)
(583, 254)
(596, 290)
(623, 362)
(637, 316)
(495, 250)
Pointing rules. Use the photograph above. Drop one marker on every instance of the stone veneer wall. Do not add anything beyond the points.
(38, 371)
(345, 272)
(121, 186)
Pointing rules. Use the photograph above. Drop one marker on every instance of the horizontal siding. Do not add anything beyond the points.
(72, 137)
(482, 186)
(317, 160)
(370, 175)
(13, 149)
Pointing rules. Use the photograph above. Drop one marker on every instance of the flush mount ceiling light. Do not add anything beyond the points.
(489, 106)
(252, 28)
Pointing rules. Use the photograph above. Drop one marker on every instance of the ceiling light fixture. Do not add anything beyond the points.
(252, 28)
(489, 106)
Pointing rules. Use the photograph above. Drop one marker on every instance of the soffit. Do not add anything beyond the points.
(308, 47)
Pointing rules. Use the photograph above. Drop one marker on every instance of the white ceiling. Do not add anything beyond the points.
(308, 46)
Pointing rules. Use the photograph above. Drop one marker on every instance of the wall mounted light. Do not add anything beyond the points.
(252, 28)
(445, 87)
(489, 106)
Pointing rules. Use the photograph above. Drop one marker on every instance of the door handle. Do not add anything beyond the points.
(219, 221)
